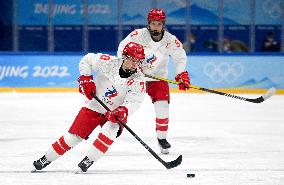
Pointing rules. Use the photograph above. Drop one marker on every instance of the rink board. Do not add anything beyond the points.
(42, 72)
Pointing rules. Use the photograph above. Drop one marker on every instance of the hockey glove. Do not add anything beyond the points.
(87, 86)
(120, 113)
(184, 79)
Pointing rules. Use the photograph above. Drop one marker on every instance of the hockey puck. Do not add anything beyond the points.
(190, 175)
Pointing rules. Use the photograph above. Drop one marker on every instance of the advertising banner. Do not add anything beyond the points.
(236, 71)
(209, 71)
(39, 70)
(134, 12)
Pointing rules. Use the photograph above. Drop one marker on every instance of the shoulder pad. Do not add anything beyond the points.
(105, 57)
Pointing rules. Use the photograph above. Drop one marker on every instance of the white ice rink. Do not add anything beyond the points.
(223, 141)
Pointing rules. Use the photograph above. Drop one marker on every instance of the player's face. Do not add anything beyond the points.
(131, 63)
(156, 26)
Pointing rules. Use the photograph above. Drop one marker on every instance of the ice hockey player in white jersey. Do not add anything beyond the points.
(120, 84)
(160, 45)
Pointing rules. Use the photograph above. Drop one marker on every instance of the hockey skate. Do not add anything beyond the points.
(164, 146)
(84, 165)
(40, 163)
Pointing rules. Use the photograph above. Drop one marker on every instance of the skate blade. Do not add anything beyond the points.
(79, 171)
(34, 170)
(164, 151)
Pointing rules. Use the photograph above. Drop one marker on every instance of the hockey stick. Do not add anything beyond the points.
(260, 99)
(168, 165)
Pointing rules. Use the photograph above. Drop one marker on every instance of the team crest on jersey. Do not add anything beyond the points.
(151, 59)
(109, 94)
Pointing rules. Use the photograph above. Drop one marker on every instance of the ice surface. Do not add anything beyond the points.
(223, 141)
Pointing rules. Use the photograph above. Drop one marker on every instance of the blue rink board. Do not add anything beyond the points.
(209, 71)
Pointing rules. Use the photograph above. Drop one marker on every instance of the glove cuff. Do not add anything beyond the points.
(179, 76)
(123, 108)
(84, 79)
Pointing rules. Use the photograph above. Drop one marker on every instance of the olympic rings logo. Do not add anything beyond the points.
(228, 72)
(272, 8)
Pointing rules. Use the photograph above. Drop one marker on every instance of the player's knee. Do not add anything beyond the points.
(72, 139)
(110, 130)
(162, 109)
(65, 143)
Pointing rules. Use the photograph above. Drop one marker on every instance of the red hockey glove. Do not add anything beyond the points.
(87, 86)
(184, 79)
(120, 113)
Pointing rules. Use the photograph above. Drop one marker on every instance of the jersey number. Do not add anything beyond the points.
(105, 57)
(142, 84)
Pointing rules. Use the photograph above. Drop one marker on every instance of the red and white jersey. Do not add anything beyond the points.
(113, 90)
(157, 53)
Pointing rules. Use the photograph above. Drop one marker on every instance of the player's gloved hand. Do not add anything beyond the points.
(87, 86)
(183, 77)
(120, 113)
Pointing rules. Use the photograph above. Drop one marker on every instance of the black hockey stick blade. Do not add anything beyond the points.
(269, 93)
(174, 163)
(264, 97)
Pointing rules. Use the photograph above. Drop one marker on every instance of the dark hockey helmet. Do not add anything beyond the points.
(157, 15)
(134, 50)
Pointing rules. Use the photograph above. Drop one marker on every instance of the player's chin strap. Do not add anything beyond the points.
(260, 99)
(168, 165)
